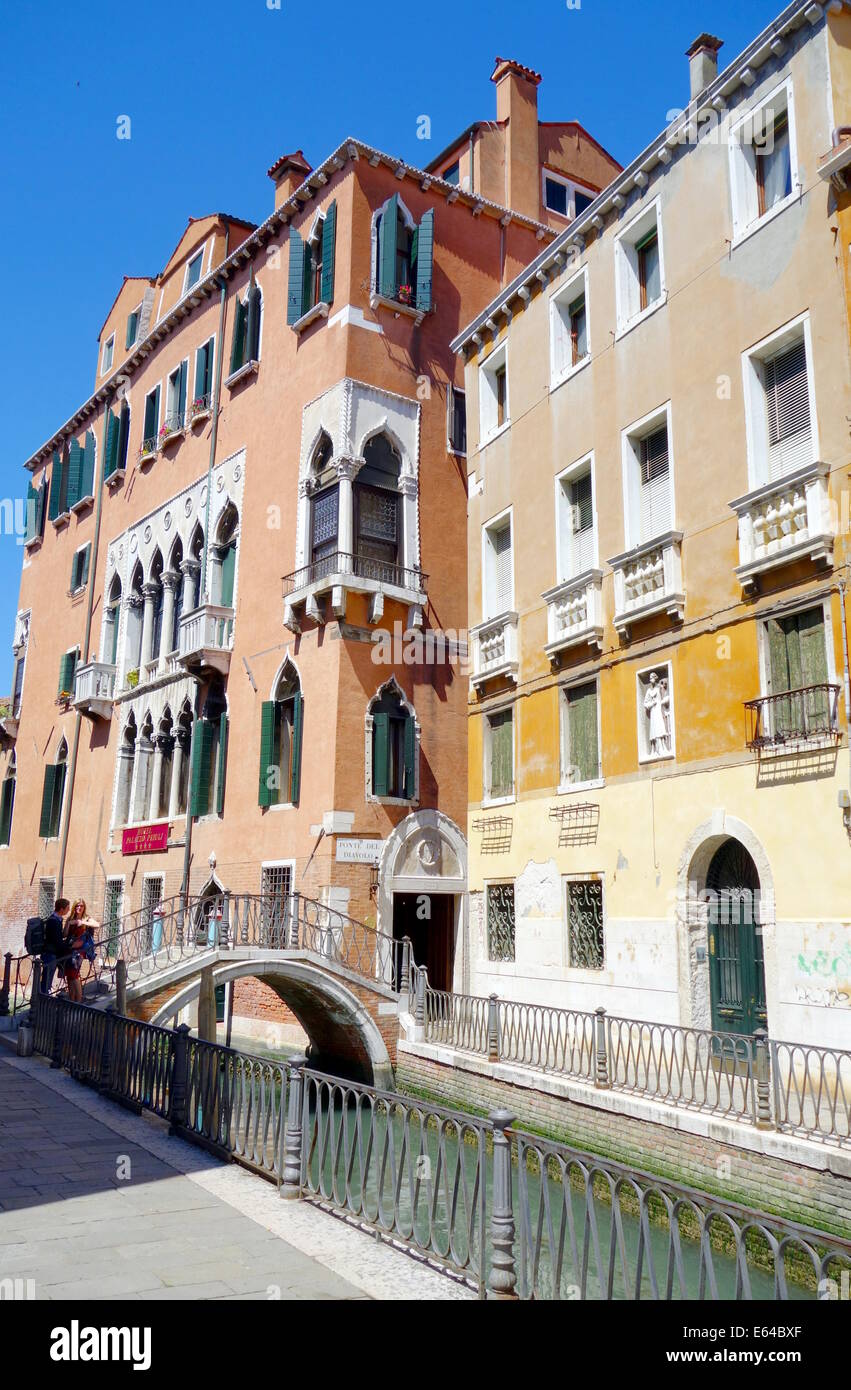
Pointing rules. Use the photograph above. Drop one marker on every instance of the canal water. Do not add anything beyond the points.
(435, 1204)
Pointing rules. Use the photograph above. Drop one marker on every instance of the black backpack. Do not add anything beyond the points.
(34, 936)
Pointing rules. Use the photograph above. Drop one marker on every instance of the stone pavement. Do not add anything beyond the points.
(98, 1203)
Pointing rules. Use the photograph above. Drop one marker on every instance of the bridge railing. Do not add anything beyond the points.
(510, 1213)
(756, 1080)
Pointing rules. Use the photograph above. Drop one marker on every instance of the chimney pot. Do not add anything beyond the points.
(703, 63)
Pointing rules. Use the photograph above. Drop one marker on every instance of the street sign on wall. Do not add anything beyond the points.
(359, 851)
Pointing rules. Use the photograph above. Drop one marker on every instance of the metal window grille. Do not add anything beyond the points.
(112, 907)
(585, 946)
(275, 888)
(501, 921)
(46, 896)
(152, 894)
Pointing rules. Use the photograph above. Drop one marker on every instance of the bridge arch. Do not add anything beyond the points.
(344, 1035)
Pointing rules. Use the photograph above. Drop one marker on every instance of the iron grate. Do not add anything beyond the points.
(495, 832)
(578, 824)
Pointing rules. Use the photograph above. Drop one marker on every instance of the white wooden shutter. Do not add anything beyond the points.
(561, 359)
(788, 404)
(655, 485)
(501, 541)
(582, 525)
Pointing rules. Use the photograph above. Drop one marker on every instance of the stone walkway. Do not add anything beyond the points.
(97, 1203)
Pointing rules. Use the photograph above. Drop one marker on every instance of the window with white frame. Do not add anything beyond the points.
(779, 404)
(569, 342)
(797, 663)
(655, 698)
(585, 921)
(493, 393)
(108, 354)
(499, 755)
(501, 922)
(134, 319)
(580, 734)
(565, 197)
(152, 896)
(456, 420)
(113, 907)
(576, 520)
(150, 428)
(497, 568)
(763, 161)
(193, 270)
(175, 400)
(648, 483)
(276, 882)
(639, 267)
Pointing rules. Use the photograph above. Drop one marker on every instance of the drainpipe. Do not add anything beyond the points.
(847, 673)
(196, 711)
(78, 720)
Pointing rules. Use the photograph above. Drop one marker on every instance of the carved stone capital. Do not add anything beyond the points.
(192, 567)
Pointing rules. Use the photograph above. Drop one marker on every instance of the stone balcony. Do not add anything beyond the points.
(205, 638)
(649, 581)
(784, 521)
(94, 689)
(575, 613)
(336, 574)
(495, 649)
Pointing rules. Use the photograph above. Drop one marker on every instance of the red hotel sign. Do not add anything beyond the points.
(145, 839)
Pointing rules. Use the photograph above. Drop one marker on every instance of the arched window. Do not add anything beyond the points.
(126, 763)
(378, 512)
(196, 552)
(52, 793)
(393, 745)
(281, 722)
(165, 752)
(144, 770)
(184, 741)
(174, 566)
(245, 346)
(112, 622)
(135, 613)
(7, 801)
(209, 755)
(157, 619)
(395, 271)
(324, 509)
(225, 553)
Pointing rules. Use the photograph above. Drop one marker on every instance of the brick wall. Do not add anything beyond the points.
(811, 1196)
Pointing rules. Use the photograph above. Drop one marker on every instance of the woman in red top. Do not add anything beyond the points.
(78, 924)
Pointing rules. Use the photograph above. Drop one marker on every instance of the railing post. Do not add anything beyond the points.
(179, 1080)
(56, 1049)
(121, 987)
(291, 1185)
(107, 1051)
(225, 925)
(405, 971)
(181, 919)
(503, 1273)
(4, 989)
(601, 1069)
(420, 1005)
(762, 1069)
(295, 900)
(35, 991)
(493, 1028)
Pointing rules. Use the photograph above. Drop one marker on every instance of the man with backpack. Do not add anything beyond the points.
(46, 938)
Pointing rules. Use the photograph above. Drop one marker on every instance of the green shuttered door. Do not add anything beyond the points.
(582, 733)
(295, 289)
(387, 248)
(295, 768)
(380, 753)
(329, 237)
(267, 795)
(425, 253)
(199, 798)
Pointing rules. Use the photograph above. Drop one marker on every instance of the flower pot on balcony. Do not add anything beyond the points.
(133, 679)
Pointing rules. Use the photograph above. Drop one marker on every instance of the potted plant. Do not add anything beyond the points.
(405, 294)
(200, 406)
(133, 678)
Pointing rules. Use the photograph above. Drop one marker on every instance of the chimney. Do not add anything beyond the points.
(517, 112)
(289, 173)
(703, 63)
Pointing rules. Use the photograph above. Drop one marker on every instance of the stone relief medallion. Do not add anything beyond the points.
(237, 472)
(147, 535)
(121, 552)
(187, 506)
(134, 544)
(428, 851)
(203, 498)
(111, 559)
(220, 482)
(167, 521)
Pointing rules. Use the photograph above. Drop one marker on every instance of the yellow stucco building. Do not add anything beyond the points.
(658, 413)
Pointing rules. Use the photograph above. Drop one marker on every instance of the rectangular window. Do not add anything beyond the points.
(499, 755)
(648, 479)
(649, 277)
(46, 896)
(132, 327)
(276, 881)
(779, 407)
(498, 586)
(108, 354)
(556, 195)
(581, 737)
(175, 410)
(797, 662)
(501, 922)
(67, 667)
(152, 896)
(193, 271)
(564, 197)
(763, 161)
(452, 174)
(585, 923)
(204, 360)
(569, 338)
(577, 540)
(639, 267)
(493, 394)
(152, 421)
(80, 568)
(113, 907)
(324, 510)
(456, 420)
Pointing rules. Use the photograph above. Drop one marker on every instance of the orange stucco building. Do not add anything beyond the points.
(264, 493)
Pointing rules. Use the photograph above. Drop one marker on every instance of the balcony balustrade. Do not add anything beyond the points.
(648, 581)
(495, 649)
(94, 688)
(205, 638)
(784, 521)
(575, 612)
(793, 718)
(334, 574)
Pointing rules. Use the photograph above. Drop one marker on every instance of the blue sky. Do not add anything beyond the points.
(215, 92)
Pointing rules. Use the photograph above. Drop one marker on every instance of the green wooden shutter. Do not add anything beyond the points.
(42, 504)
(237, 353)
(181, 390)
(223, 756)
(295, 288)
(132, 325)
(295, 760)
(67, 665)
(6, 803)
(87, 476)
(152, 402)
(56, 806)
(425, 256)
(201, 356)
(55, 484)
(329, 238)
(199, 796)
(228, 574)
(123, 436)
(112, 431)
(380, 752)
(87, 554)
(502, 751)
(31, 513)
(410, 756)
(47, 800)
(75, 473)
(387, 248)
(582, 733)
(267, 796)
(252, 331)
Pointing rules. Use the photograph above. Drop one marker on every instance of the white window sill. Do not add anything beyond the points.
(489, 805)
(319, 311)
(248, 369)
(32, 546)
(280, 806)
(61, 520)
(148, 456)
(83, 502)
(739, 237)
(494, 434)
(567, 788)
(382, 301)
(391, 800)
(116, 476)
(645, 314)
(648, 759)
(570, 373)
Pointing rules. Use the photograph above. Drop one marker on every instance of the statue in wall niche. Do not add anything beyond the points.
(657, 708)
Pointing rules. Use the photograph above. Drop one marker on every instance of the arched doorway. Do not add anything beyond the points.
(736, 960)
(422, 885)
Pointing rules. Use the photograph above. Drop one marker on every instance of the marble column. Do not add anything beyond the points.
(150, 592)
(189, 569)
(170, 581)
